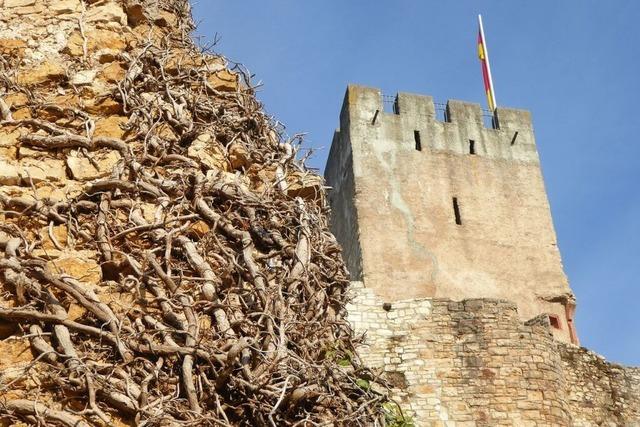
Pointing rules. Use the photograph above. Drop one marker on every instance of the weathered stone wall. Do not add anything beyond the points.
(62, 62)
(344, 221)
(474, 363)
(407, 242)
(72, 55)
(598, 392)
(119, 136)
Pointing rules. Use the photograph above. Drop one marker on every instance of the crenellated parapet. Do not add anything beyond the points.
(456, 127)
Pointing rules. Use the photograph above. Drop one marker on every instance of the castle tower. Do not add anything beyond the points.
(445, 208)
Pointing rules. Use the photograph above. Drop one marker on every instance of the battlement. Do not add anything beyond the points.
(455, 127)
(431, 200)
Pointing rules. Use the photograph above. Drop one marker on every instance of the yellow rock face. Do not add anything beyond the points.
(9, 173)
(12, 47)
(110, 127)
(42, 170)
(9, 144)
(199, 229)
(97, 39)
(208, 151)
(78, 265)
(103, 106)
(47, 71)
(64, 6)
(18, 3)
(238, 155)
(59, 232)
(223, 80)
(14, 355)
(113, 72)
(17, 99)
(304, 185)
(107, 13)
(83, 169)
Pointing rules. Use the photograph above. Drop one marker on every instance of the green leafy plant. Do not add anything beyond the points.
(394, 417)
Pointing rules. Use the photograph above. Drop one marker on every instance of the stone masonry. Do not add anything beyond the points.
(457, 282)
(474, 363)
(445, 209)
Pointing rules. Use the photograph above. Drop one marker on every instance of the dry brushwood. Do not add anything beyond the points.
(223, 306)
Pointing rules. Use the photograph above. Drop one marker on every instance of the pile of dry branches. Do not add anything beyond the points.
(225, 306)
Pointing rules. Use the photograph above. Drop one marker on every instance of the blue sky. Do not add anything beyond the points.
(574, 64)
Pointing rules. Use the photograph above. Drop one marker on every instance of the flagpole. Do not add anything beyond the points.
(486, 54)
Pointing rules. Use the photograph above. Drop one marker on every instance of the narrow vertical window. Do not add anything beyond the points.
(515, 136)
(416, 137)
(456, 211)
(472, 146)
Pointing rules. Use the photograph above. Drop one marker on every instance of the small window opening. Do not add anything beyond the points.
(456, 211)
(472, 146)
(375, 117)
(515, 136)
(416, 137)
(555, 321)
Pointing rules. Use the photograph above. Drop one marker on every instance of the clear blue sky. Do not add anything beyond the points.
(574, 64)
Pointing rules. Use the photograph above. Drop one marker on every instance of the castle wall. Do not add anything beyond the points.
(598, 392)
(402, 199)
(344, 221)
(474, 363)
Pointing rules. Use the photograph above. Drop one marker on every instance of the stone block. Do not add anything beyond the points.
(110, 12)
(238, 155)
(12, 48)
(208, 151)
(98, 40)
(224, 81)
(18, 3)
(306, 185)
(103, 105)
(8, 153)
(110, 127)
(82, 78)
(42, 170)
(45, 72)
(9, 173)
(80, 265)
(113, 72)
(61, 7)
(83, 169)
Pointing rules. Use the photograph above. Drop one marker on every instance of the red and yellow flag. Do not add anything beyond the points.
(486, 72)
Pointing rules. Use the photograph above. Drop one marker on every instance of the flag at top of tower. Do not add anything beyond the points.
(483, 54)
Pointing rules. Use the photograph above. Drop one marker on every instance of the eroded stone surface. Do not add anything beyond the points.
(85, 169)
(473, 362)
(208, 151)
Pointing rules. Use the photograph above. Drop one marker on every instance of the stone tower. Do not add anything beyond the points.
(445, 207)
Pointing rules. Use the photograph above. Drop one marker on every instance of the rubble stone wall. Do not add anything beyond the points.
(599, 392)
(474, 363)
(111, 102)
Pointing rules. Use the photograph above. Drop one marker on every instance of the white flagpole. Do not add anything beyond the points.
(486, 55)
